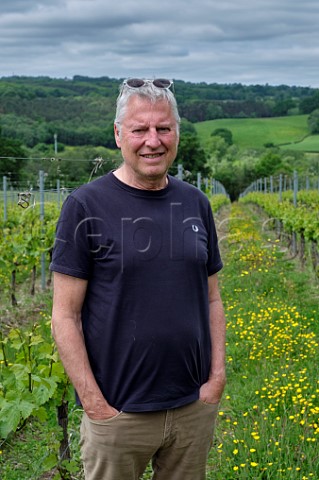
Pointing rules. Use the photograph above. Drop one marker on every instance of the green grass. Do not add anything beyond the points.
(256, 132)
(268, 425)
(309, 144)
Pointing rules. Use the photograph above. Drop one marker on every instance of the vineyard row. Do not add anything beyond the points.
(299, 222)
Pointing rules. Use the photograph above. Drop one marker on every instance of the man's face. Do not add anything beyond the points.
(148, 139)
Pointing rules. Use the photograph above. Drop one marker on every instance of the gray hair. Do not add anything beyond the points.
(148, 91)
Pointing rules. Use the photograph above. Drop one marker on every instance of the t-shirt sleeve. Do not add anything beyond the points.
(71, 251)
(214, 263)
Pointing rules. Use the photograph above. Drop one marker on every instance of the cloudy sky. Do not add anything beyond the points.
(223, 41)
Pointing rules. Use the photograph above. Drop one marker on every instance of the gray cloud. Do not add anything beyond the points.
(248, 41)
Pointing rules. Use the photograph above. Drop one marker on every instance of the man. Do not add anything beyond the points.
(137, 314)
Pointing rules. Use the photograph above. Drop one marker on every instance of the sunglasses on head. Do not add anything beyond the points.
(140, 82)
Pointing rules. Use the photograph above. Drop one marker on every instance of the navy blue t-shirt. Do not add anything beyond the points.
(146, 256)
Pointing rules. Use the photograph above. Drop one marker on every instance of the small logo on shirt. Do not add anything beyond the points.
(195, 228)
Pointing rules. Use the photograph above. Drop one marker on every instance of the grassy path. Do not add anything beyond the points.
(269, 420)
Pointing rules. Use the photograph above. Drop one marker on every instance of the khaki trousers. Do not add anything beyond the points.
(177, 442)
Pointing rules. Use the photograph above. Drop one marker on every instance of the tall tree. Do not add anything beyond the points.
(191, 155)
(313, 121)
(12, 158)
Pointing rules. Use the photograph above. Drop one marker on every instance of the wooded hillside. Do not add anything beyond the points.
(81, 110)
(64, 126)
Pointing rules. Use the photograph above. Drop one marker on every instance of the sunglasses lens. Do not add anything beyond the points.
(162, 83)
(135, 82)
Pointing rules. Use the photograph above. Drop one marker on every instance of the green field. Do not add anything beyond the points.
(309, 144)
(256, 132)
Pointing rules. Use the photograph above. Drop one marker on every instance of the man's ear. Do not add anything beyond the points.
(117, 135)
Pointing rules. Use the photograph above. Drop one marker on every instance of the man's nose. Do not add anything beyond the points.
(152, 139)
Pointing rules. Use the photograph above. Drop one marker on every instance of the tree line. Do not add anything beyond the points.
(77, 114)
(81, 110)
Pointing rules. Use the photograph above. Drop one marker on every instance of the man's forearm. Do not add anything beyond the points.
(212, 390)
(218, 337)
(71, 347)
